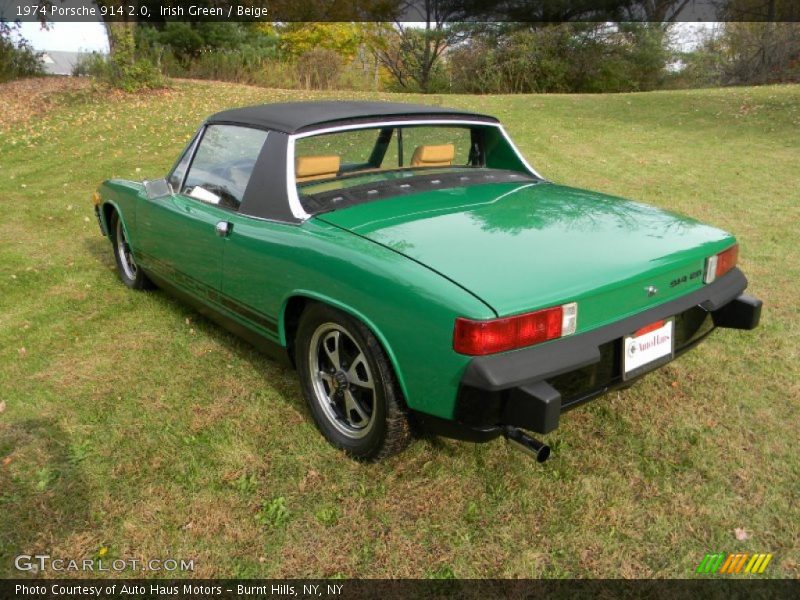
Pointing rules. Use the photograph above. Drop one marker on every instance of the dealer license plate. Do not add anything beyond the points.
(648, 348)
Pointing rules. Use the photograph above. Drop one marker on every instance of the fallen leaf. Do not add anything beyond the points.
(7, 461)
(22, 351)
(741, 534)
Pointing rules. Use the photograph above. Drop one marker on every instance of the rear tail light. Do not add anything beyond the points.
(478, 338)
(719, 264)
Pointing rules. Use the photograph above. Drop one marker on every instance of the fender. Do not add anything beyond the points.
(107, 196)
(125, 227)
(353, 312)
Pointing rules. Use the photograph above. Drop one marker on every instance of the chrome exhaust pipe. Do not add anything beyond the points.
(522, 441)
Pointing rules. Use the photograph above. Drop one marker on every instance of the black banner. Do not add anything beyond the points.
(327, 589)
(447, 11)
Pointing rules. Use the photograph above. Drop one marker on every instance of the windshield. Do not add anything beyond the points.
(342, 168)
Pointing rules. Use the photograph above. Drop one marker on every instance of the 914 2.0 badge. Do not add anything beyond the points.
(683, 279)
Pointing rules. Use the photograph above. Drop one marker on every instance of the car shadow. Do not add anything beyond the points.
(44, 498)
(281, 378)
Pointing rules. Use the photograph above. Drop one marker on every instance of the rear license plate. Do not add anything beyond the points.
(648, 348)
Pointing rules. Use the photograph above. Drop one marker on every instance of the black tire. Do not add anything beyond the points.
(370, 423)
(131, 275)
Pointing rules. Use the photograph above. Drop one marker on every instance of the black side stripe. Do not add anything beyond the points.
(202, 290)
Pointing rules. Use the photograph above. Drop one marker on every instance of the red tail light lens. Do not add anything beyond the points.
(727, 260)
(478, 338)
(719, 264)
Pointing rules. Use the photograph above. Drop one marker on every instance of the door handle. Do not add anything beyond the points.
(223, 228)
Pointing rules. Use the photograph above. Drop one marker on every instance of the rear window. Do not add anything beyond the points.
(338, 169)
(365, 151)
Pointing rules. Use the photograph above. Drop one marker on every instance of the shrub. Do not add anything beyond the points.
(17, 58)
(124, 69)
(319, 68)
(569, 57)
(89, 64)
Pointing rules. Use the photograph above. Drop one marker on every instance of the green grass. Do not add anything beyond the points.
(133, 424)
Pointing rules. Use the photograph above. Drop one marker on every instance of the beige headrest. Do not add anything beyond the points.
(307, 168)
(433, 156)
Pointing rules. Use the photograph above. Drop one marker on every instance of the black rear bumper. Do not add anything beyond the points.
(531, 387)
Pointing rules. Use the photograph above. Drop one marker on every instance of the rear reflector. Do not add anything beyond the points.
(477, 338)
(569, 322)
(649, 328)
(719, 264)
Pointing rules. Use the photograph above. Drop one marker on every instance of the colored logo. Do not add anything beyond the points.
(734, 563)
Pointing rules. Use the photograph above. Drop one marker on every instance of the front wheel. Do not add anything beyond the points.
(349, 385)
(128, 270)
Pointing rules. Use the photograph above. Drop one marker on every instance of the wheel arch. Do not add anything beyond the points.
(295, 303)
(107, 211)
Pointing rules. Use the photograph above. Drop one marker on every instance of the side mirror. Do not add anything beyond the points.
(157, 188)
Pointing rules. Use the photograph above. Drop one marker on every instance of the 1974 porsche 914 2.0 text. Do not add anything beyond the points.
(417, 271)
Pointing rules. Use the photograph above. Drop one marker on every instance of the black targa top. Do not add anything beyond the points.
(295, 117)
(264, 198)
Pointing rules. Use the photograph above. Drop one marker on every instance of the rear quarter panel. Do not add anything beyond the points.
(410, 308)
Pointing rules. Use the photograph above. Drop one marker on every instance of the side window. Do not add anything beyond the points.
(223, 164)
(176, 177)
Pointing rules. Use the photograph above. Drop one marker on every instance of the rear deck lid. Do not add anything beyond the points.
(524, 246)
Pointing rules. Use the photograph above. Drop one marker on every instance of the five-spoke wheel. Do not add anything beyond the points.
(342, 380)
(349, 384)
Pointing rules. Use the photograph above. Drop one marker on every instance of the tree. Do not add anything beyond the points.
(17, 57)
(563, 57)
(410, 53)
(297, 39)
(757, 53)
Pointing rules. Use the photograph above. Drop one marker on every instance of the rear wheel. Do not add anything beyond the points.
(349, 385)
(128, 270)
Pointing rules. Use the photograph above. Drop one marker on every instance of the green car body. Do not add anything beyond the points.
(408, 266)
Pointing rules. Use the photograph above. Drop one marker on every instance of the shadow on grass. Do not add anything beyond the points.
(100, 248)
(286, 384)
(43, 495)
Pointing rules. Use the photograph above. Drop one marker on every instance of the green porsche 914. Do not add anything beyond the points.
(417, 272)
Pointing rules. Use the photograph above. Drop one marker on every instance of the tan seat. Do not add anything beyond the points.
(433, 156)
(309, 168)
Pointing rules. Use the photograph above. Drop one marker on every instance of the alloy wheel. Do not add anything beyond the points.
(342, 380)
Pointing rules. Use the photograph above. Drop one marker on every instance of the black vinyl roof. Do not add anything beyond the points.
(293, 117)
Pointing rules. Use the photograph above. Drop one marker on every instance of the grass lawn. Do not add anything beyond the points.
(131, 427)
